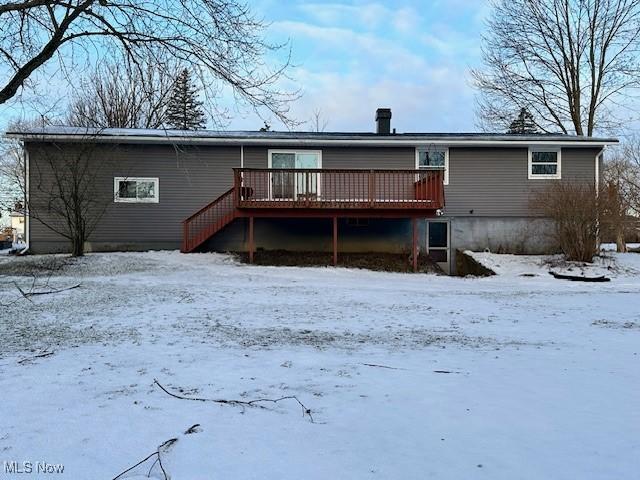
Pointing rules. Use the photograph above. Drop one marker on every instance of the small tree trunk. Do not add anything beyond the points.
(621, 245)
(77, 246)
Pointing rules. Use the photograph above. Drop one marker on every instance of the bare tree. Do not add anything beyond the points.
(11, 174)
(615, 202)
(318, 123)
(118, 95)
(220, 40)
(569, 62)
(12, 166)
(573, 209)
(65, 190)
(620, 193)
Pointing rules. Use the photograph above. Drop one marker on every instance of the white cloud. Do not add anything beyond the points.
(437, 100)
(370, 15)
(348, 74)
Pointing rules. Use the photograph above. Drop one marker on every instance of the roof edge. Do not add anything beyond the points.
(72, 134)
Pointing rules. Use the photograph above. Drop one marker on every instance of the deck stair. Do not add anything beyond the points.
(208, 221)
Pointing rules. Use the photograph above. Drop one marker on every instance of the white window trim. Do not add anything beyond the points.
(295, 152)
(446, 160)
(535, 176)
(116, 189)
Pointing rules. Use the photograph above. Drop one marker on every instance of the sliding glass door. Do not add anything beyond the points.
(299, 185)
(282, 183)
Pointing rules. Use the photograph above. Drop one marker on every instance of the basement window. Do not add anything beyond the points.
(544, 163)
(136, 190)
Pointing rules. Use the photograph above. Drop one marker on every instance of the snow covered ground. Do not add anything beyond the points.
(407, 376)
(609, 264)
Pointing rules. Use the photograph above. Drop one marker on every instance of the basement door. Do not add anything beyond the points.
(438, 243)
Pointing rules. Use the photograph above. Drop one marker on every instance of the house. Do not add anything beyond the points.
(17, 224)
(340, 192)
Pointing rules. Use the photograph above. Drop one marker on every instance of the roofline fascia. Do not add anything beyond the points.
(305, 141)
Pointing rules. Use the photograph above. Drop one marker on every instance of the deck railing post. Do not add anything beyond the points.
(372, 187)
(335, 241)
(237, 187)
(185, 237)
(414, 222)
(250, 239)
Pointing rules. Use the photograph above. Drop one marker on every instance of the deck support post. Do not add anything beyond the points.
(335, 241)
(250, 239)
(414, 248)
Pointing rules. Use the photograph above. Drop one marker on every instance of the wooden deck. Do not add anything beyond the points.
(328, 193)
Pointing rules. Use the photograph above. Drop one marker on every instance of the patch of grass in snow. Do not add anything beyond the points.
(614, 324)
(276, 337)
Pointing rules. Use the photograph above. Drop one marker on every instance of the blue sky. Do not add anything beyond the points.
(351, 57)
(354, 56)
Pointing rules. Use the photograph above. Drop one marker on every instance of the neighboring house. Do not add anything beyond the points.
(18, 225)
(341, 192)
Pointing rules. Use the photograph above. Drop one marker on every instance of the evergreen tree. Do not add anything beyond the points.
(523, 123)
(184, 111)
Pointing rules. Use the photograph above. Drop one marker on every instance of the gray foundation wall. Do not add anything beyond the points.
(531, 236)
(503, 235)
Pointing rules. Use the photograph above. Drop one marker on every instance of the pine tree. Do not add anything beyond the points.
(184, 111)
(523, 123)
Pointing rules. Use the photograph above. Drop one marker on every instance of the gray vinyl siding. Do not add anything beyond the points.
(342, 157)
(493, 182)
(380, 158)
(483, 182)
(189, 178)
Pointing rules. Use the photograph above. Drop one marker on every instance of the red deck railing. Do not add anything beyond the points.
(208, 220)
(341, 189)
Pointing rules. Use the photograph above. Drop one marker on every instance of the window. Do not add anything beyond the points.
(434, 159)
(544, 163)
(136, 190)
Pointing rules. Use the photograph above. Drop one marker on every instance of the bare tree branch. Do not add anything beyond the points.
(120, 95)
(243, 403)
(564, 60)
(220, 40)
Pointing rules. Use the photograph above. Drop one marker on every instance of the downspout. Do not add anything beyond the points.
(27, 220)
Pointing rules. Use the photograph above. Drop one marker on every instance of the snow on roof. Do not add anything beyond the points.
(134, 135)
